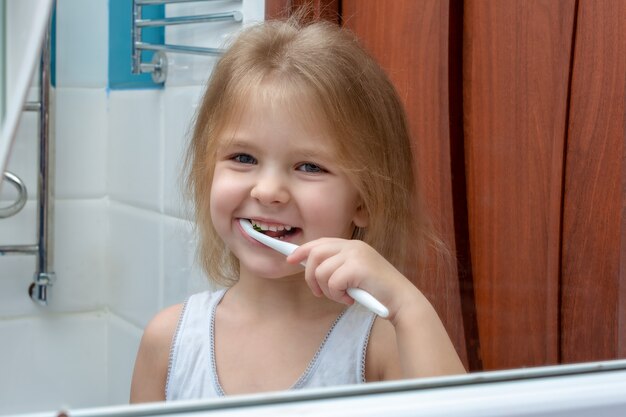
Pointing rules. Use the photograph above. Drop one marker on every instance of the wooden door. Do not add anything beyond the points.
(518, 121)
(593, 273)
(516, 60)
(410, 41)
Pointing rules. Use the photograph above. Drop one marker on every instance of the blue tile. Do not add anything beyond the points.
(120, 45)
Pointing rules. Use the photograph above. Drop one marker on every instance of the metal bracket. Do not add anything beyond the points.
(38, 290)
(158, 67)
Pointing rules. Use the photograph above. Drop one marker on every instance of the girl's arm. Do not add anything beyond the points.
(422, 348)
(409, 357)
(151, 365)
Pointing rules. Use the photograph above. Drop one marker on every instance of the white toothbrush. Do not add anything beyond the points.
(362, 297)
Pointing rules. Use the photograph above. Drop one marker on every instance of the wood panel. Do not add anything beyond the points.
(516, 63)
(317, 9)
(275, 9)
(594, 231)
(409, 39)
(498, 94)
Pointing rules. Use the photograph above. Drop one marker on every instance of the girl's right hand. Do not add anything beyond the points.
(333, 265)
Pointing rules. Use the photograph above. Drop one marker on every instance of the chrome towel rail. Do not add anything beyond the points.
(183, 20)
(19, 249)
(157, 2)
(22, 196)
(20, 201)
(197, 50)
(44, 276)
(158, 66)
(32, 106)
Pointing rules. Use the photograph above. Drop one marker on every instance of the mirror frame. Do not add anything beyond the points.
(573, 390)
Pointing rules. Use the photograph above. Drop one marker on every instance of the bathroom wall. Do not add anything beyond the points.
(123, 249)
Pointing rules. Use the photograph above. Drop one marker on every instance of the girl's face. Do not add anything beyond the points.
(281, 173)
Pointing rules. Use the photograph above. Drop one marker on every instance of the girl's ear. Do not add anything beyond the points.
(361, 217)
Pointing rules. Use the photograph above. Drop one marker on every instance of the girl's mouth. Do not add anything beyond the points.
(274, 230)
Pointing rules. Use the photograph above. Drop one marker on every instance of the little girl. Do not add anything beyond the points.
(301, 133)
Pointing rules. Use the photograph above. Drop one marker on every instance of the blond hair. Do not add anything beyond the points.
(360, 108)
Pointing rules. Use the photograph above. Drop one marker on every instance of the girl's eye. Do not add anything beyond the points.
(244, 158)
(310, 168)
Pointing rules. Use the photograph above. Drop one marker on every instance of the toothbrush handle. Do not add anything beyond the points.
(367, 300)
(362, 297)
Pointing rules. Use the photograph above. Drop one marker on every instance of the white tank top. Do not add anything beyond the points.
(192, 372)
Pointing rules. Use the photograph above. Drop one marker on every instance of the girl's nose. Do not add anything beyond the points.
(270, 189)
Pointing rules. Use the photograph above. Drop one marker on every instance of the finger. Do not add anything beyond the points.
(309, 277)
(313, 285)
(302, 253)
(298, 256)
(338, 283)
(325, 270)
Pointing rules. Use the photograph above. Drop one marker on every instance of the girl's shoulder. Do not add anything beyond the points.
(152, 360)
(163, 324)
(159, 333)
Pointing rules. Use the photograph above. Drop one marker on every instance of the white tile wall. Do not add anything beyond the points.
(20, 13)
(134, 265)
(16, 274)
(19, 229)
(81, 242)
(151, 263)
(253, 11)
(123, 250)
(22, 161)
(179, 107)
(122, 344)
(79, 259)
(181, 273)
(35, 371)
(135, 148)
(194, 70)
(184, 69)
(82, 43)
(82, 120)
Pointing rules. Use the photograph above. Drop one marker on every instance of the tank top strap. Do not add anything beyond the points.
(190, 372)
(341, 357)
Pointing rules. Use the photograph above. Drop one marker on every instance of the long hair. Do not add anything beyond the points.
(322, 64)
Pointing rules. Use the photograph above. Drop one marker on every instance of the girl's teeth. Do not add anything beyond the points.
(273, 228)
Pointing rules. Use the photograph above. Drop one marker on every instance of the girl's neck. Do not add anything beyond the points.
(291, 295)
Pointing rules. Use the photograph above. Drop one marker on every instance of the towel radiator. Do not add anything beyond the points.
(44, 276)
(158, 66)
